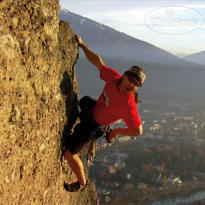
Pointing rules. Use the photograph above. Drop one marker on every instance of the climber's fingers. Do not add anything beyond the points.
(78, 39)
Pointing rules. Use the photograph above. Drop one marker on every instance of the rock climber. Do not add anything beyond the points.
(117, 101)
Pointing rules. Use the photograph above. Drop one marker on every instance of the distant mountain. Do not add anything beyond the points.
(169, 78)
(111, 43)
(163, 84)
(198, 58)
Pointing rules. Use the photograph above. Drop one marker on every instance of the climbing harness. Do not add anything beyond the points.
(92, 144)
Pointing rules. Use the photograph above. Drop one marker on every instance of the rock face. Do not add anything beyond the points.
(38, 103)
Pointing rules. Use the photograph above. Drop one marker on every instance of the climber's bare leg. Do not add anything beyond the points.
(77, 166)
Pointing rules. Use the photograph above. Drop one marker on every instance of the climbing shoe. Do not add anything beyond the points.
(74, 187)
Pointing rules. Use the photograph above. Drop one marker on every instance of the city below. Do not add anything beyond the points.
(167, 160)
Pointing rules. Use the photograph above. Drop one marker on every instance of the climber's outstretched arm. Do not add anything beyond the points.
(94, 58)
(124, 131)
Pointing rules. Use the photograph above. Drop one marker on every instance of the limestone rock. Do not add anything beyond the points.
(38, 104)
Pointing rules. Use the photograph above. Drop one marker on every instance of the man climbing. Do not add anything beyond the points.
(117, 101)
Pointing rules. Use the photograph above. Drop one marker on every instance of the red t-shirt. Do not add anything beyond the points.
(113, 105)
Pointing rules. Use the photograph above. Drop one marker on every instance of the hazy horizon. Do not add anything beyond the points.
(177, 27)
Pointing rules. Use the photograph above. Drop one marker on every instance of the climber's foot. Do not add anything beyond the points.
(74, 187)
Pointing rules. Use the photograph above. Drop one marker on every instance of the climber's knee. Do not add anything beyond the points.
(68, 155)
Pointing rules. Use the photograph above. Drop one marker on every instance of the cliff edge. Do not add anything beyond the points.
(38, 104)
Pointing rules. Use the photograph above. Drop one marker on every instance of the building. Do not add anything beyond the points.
(142, 185)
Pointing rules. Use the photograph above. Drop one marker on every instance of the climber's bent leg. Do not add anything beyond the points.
(77, 166)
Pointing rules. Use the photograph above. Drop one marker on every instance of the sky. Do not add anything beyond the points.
(177, 26)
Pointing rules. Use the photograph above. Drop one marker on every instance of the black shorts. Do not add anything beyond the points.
(87, 127)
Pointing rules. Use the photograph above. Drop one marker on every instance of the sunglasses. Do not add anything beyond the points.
(130, 78)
